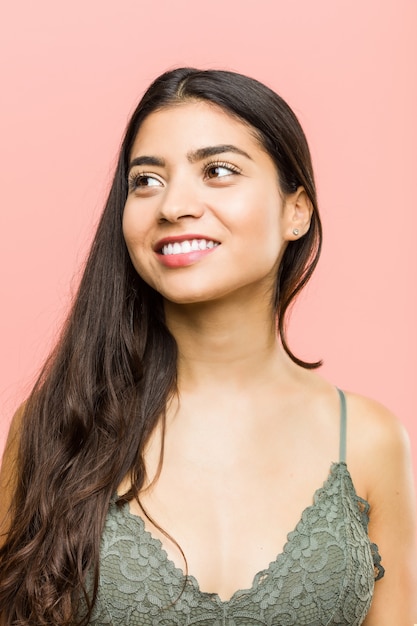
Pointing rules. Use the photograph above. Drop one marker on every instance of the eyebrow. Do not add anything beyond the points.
(146, 160)
(203, 153)
(193, 156)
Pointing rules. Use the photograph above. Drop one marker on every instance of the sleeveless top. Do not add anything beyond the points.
(323, 577)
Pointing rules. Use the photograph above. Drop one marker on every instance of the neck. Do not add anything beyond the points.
(223, 345)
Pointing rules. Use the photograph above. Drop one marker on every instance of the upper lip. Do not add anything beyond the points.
(179, 238)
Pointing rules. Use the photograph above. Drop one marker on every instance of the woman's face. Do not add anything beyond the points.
(204, 218)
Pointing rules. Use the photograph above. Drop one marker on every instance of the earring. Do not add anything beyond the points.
(296, 232)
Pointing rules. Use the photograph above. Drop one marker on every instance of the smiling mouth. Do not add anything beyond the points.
(187, 246)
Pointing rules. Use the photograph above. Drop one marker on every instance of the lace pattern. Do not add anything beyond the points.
(324, 576)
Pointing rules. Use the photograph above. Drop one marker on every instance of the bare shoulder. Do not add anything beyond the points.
(8, 470)
(378, 450)
(374, 433)
(13, 436)
(374, 429)
(379, 459)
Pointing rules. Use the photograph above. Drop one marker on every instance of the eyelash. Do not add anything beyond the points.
(136, 177)
(217, 164)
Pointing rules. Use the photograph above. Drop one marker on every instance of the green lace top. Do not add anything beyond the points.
(324, 576)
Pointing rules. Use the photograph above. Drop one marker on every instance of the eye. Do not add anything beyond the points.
(220, 170)
(143, 181)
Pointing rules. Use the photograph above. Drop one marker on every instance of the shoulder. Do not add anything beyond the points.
(373, 431)
(374, 428)
(379, 459)
(8, 469)
(13, 437)
(378, 449)
(377, 439)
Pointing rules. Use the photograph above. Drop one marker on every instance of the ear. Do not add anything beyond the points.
(297, 212)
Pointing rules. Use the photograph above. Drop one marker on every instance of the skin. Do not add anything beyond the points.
(242, 455)
(240, 420)
(242, 211)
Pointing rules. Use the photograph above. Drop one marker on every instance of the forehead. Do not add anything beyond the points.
(191, 125)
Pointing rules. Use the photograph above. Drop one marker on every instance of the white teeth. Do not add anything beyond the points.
(184, 247)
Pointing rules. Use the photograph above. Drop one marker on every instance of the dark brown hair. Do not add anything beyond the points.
(106, 385)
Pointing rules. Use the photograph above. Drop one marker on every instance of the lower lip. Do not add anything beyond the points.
(183, 260)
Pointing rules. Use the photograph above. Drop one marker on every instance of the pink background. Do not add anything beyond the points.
(72, 72)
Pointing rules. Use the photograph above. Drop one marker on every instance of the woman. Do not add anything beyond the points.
(173, 438)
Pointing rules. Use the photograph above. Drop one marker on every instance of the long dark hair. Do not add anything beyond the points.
(107, 383)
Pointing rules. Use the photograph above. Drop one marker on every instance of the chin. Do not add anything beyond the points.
(189, 299)
(188, 293)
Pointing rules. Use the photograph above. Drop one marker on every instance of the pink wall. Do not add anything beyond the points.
(71, 74)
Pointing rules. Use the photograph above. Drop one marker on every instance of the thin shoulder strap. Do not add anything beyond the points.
(342, 444)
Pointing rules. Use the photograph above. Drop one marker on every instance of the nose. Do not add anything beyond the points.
(181, 199)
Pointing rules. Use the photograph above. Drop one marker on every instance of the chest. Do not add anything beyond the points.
(229, 501)
(222, 526)
(324, 575)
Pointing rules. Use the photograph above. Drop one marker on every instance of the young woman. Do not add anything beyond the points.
(173, 439)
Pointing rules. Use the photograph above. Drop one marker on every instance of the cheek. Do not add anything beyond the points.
(262, 217)
(134, 229)
(134, 233)
(137, 235)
